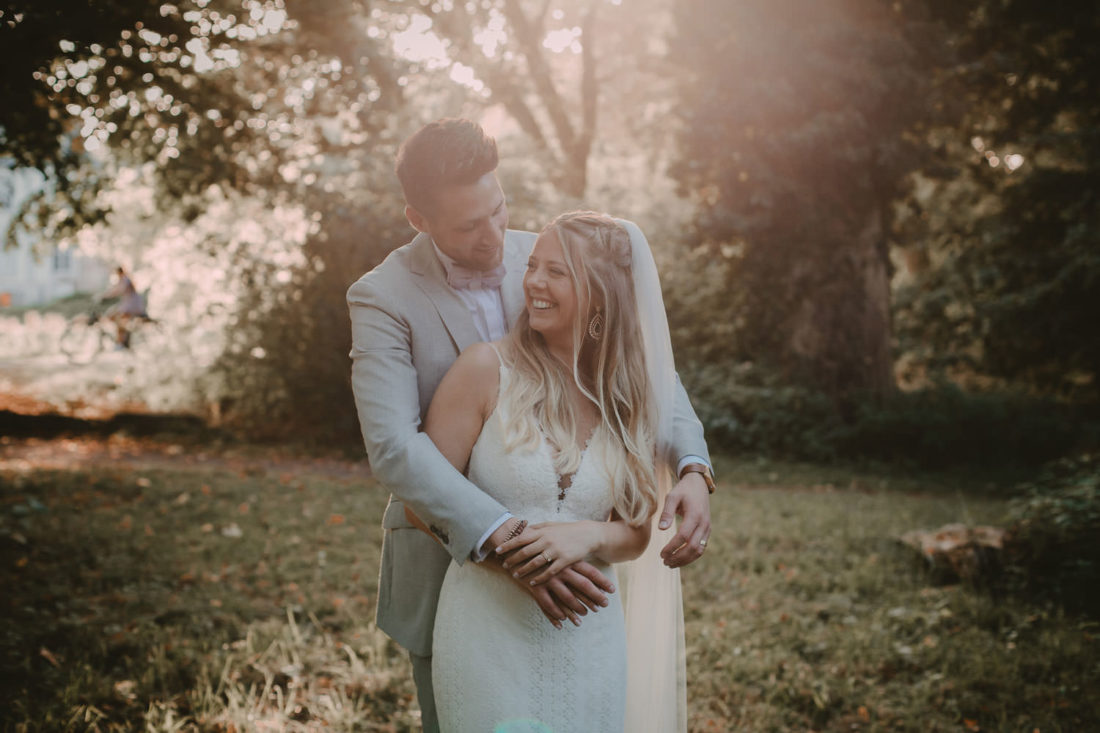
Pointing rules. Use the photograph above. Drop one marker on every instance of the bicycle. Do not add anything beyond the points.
(90, 334)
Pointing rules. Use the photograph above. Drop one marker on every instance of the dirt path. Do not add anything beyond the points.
(74, 453)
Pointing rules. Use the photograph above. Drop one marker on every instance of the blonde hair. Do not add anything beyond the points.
(610, 371)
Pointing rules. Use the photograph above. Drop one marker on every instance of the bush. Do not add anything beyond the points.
(1051, 549)
(747, 409)
(944, 426)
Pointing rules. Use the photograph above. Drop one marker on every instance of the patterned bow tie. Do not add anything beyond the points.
(463, 278)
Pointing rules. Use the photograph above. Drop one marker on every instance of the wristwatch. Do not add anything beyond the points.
(703, 469)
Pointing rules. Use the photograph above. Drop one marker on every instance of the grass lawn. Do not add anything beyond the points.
(225, 598)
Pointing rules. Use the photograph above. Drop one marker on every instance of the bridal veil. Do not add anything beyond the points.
(656, 700)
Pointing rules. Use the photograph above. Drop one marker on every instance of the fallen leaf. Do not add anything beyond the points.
(22, 562)
(335, 519)
(244, 508)
(205, 489)
(125, 689)
(208, 527)
(144, 482)
(49, 657)
(148, 531)
(864, 714)
(971, 724)
(126, 522)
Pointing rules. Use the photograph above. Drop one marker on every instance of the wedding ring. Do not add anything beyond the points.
(703, 543)
(547, 557)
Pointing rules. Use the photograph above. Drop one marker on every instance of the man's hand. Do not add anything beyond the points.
(571, 593)
(568, 595)
(690, 500)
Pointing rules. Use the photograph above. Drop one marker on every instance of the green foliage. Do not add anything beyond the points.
(1004, 226)
(1051, 550)
(944, 426)
(286, 373)
(747, 409)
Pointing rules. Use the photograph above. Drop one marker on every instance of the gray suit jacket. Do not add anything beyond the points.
(408, 327)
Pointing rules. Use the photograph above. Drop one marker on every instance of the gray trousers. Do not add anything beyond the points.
(425, 694)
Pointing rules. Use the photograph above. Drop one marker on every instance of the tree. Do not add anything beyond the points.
(1003, 240)
(799, 124)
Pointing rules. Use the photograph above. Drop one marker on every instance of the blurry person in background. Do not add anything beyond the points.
(130, 305)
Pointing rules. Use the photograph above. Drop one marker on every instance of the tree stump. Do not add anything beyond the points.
(956, 552)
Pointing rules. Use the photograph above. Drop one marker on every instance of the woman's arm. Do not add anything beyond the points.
(564, 543)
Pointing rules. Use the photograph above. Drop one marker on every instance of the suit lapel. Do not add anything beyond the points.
(429, 274)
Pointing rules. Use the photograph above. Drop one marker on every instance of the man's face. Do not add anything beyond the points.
(467, 222)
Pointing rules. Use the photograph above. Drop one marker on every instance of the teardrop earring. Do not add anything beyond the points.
(595, 326)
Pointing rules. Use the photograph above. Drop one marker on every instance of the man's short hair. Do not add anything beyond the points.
(443, 153)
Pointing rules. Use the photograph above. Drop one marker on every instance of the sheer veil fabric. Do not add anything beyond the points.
(656, 700)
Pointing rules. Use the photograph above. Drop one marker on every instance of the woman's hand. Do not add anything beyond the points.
(543, 550)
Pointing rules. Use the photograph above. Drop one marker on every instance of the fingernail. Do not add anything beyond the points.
(612, 590)
(500, 549)
(664, 524)
(575, 622)
(515, 575)
(604, 603)
(557, 625)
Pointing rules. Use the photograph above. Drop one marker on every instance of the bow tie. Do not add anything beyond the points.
(463, 278)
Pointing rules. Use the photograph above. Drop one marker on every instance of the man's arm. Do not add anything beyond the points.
(404, 459)
(690, 497)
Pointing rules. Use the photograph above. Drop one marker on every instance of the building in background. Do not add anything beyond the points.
(34, 272)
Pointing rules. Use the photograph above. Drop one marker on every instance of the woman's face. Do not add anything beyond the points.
(552, 302)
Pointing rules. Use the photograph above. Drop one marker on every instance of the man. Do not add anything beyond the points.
(459, 281)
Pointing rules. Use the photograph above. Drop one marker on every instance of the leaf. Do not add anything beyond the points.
(971, 724)
(48, 656)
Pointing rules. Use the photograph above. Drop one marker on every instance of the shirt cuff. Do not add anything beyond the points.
(690, 459)
(481, 551)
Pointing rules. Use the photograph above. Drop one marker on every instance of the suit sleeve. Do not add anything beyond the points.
(404, 459)
(687, 430)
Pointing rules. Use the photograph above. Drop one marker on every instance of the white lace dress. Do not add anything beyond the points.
(498, 665)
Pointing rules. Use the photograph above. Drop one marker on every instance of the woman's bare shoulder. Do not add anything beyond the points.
(482, 357)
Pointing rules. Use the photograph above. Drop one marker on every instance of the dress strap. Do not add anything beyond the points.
(496, 351)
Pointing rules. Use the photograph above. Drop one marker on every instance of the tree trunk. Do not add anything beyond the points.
(840, 332)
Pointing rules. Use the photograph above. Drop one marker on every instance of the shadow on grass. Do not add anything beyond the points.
(209, 600)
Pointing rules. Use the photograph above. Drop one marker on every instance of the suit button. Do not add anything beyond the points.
(440, 534)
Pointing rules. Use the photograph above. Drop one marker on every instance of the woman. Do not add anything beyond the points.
(564, 421)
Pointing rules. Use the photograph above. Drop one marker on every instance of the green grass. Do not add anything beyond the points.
(189, 598)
